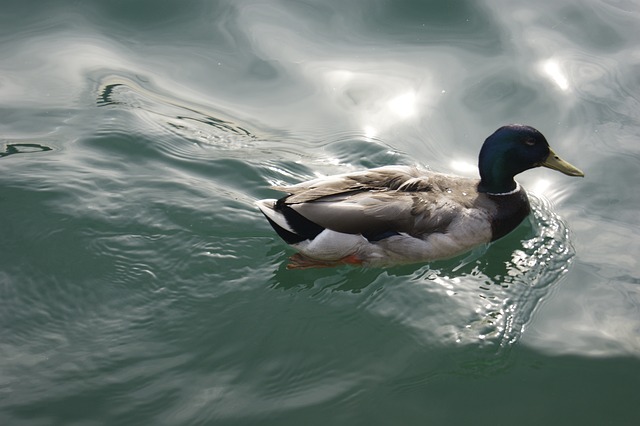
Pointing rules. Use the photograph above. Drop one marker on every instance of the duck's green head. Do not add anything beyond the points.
(511, 150)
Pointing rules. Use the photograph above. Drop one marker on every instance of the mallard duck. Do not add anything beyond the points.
(403, 214)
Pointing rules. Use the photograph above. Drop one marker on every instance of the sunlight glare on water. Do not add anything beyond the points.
(551, 69)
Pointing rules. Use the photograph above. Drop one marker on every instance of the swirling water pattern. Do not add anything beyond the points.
(141, 286)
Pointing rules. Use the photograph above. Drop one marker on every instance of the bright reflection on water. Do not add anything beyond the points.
(551, 69)
(377, 102)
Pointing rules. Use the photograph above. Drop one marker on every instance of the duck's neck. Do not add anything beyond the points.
(496, 181)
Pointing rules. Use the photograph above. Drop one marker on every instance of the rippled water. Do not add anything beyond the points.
(140, 285)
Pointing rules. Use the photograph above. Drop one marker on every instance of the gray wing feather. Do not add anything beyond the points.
(396, 198)
(379, 179)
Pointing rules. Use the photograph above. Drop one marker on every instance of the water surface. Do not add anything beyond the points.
(140, 285)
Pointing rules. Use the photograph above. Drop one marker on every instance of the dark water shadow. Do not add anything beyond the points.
(23, 148)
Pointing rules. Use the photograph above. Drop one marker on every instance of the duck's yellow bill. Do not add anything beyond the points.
(556, 163)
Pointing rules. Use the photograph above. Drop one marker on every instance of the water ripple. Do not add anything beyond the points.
(173, 116)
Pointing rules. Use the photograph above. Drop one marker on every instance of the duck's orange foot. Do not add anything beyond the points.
(299, 261)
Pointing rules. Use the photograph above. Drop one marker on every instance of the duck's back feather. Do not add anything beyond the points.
(377, 201)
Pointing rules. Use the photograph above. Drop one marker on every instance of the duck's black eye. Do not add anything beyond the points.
(530, 142)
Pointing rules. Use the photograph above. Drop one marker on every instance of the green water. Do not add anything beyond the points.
(140, 285)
